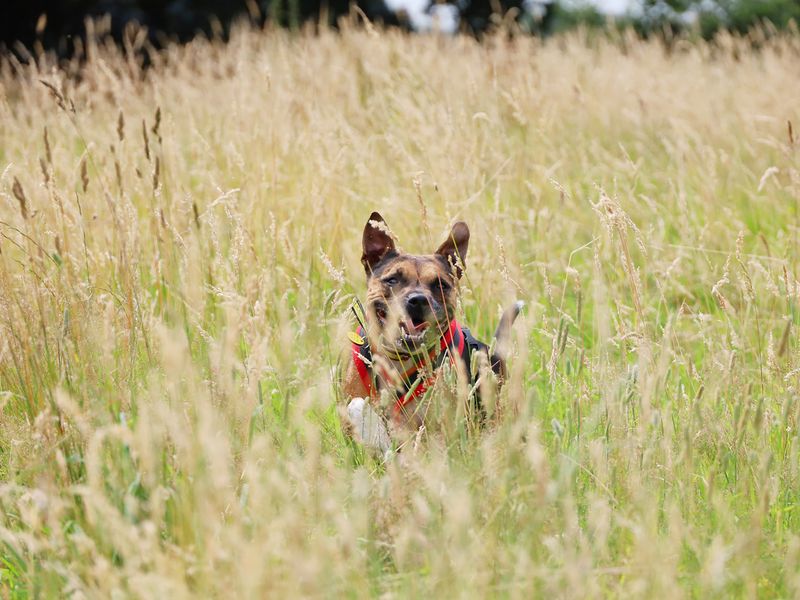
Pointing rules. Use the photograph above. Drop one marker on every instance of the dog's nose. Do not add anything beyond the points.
(416, 300)
(416, 305)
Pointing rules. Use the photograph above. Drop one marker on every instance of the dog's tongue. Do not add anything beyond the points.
(410, 327)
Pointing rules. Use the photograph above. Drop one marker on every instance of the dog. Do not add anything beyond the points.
(409, 333)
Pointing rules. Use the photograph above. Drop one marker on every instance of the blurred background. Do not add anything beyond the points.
(55, 25)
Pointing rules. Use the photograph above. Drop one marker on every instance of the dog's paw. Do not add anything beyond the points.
(368, 427)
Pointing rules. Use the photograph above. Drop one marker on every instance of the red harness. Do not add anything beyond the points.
(453, 340)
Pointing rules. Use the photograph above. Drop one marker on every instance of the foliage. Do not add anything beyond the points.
(708, 17)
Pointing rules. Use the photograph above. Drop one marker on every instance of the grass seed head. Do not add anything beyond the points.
(19, 194)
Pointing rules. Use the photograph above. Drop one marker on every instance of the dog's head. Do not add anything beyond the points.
(410, 298)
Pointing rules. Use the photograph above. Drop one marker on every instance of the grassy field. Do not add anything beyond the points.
(179, 251)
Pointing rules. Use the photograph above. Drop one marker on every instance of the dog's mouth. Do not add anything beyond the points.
(406, 335)
(413, 335)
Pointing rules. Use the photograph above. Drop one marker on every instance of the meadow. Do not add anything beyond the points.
(179, 252)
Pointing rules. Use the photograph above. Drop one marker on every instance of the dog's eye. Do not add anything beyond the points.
(390, 281)
(442, 285)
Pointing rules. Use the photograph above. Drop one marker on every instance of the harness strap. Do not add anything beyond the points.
(362, 357)
(453, 339)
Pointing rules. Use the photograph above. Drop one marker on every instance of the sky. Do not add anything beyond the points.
(612, 7)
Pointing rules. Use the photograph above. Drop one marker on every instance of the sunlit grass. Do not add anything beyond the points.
(179, 251)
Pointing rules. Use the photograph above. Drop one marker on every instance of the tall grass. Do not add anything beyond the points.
(179, 249)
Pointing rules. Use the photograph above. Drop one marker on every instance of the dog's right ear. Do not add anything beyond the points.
(376, 242)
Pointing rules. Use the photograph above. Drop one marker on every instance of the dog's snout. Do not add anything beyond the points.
(417, 306)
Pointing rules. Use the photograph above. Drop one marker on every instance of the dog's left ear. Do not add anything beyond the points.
(454, 248)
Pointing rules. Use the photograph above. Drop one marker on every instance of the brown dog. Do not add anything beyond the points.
(410, 330)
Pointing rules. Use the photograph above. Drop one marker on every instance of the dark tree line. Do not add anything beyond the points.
(183, 19)
(55, 24)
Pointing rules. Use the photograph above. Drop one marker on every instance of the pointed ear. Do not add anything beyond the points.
(454, 248)
(376, 242)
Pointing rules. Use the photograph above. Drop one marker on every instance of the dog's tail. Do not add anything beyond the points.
(502, 337)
